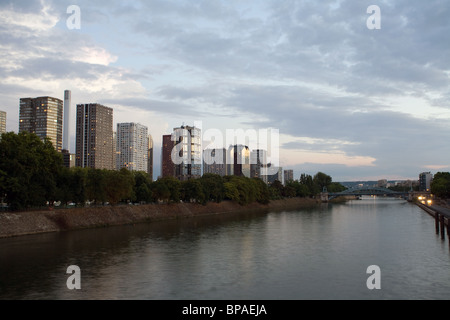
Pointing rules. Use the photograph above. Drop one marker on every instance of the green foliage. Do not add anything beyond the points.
(213, 187)
(29, 169)
(192, 191)
(32, 175)
(440, 186)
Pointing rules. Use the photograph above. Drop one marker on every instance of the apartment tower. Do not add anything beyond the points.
(44, 117)
(94, 137)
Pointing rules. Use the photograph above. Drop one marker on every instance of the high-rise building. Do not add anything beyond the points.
(67, 122)
(258, 162)
(187, 152)
(150, 157)
(215, 161)
(238, 161)
(425, 179)
(277, 176)
(288, 176)
(94, 137)
(2, 122)
(167, 165)
(132, 147)
(44, 117)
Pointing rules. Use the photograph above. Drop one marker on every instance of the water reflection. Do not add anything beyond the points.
(320, 253)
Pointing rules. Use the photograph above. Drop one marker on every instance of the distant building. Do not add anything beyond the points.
(215, 161)
(288, 176)
(94, 137)
(2, 122)
(382, 183)
(425, 179)
(68, 159)
(132, 147)
(188, 164)
(238, 161)
(167, 165)
(277, 176)
(67, 122)
(44, 117)
(258, 162)
(150, 158)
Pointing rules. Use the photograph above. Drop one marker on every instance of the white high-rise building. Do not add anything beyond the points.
(132, 147)
(66, 126)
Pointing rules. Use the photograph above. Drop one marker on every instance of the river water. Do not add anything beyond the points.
(320, 253)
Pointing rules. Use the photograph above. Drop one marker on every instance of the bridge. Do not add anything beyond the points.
(366, 191)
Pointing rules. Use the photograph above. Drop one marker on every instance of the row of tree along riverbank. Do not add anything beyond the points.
(32, 176)
(34, 222)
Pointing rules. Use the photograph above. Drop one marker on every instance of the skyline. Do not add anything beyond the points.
(355, 103)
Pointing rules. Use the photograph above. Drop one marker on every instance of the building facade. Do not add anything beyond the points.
(132, 147)
(167, 165)
(94, 137)
(425, 179)
(288, 176)
(44, 117)
(238, 161)
(2, 122)
(187, 152)
(277, 176)
(258, 164)
(150, 158)
(215, 161)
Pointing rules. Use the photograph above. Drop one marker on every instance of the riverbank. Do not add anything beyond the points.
(25, 223)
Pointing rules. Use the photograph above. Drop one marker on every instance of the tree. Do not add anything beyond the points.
(174, 186)
(96, 185)
(441, 185)
(192, 190)
(213, 187)
(231, 191)
(322, 180)
(160, 191)
(276, 190)
(142, 186)
(29, 168)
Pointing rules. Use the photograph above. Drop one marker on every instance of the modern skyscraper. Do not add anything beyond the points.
(150, 157)
(132, 147)
(2, 122)
(238, 161)
(187, 152)
(277, 176)
(258, 161)
(67, 122)
(94, 137)
(167, 165)
(288, 176)
(215, 161)
(44, 117)
(425, 179)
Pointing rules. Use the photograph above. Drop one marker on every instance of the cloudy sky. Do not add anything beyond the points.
(352, 102)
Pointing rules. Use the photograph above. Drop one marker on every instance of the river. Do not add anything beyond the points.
(320, 253)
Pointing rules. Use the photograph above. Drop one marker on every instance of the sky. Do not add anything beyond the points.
(353, 102)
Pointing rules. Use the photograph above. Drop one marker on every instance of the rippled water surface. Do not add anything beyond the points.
(320, 253)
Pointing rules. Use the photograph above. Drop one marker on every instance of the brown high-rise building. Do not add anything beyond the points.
(44, 117)
(94, 137)
(167, 165)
